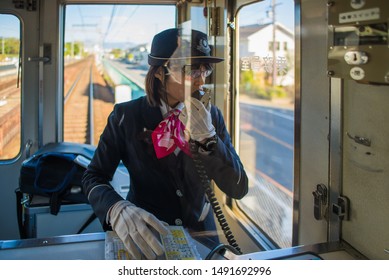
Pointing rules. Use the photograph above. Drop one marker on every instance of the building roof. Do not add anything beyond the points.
(247, 30)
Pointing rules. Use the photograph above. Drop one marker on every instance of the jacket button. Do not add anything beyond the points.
(178, 222)
(179, 193)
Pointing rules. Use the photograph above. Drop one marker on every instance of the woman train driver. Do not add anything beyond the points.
(151, 136)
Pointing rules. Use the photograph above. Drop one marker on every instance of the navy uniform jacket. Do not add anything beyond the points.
(169, 187)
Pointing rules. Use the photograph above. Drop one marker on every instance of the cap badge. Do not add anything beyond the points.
(203, 46)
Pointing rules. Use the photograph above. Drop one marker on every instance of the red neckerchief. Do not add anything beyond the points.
(169, 134)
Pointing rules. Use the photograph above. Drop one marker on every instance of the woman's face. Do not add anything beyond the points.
(182, 81)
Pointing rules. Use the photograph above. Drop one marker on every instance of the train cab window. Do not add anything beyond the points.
(105, 61)
(266, 115)
(10, 91)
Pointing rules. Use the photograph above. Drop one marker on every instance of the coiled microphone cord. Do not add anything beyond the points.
(212, 197)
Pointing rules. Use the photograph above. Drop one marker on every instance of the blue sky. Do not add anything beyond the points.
(132, 23)
(10, 26)
(258, 13)
(138, 23)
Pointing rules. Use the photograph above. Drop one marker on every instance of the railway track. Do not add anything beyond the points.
(77, 125)
(88, 101)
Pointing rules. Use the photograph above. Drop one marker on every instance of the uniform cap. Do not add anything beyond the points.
(171, 44)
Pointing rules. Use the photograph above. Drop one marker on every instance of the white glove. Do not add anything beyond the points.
(131, 225)
(197, 120)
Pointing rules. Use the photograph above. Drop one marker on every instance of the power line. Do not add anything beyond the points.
(110, 21)
(127, 21)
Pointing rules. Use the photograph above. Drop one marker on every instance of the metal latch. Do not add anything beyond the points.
(44, 56)
(342, 208)
(25, 200)
(320, 197)
(360, 140)
(28, 148)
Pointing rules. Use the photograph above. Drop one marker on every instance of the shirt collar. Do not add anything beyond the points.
(164, 107)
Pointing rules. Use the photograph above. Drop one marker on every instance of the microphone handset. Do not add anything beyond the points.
(203, 95)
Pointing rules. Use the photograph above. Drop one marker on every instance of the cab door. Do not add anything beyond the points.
(264, 119)
(19, 101)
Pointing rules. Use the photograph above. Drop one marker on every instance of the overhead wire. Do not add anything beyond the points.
(127, 21)
(114, 9)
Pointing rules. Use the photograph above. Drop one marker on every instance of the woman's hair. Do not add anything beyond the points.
(154, 87)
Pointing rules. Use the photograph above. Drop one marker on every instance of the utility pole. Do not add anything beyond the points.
(2, 45)
(72, 49)
(274, 49)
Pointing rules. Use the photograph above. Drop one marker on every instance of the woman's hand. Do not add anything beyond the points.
(197, 120)
(131, 224)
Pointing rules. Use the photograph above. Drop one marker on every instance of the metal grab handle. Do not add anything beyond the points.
(39, 59)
